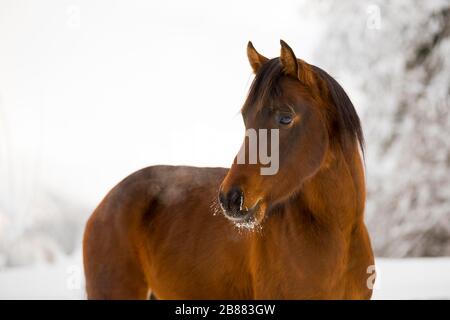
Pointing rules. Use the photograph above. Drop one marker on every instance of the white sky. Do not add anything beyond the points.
(91, 91)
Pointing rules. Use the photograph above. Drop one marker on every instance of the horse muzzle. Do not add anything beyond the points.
(232, 204)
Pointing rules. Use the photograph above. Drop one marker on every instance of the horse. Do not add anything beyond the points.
(179, 232)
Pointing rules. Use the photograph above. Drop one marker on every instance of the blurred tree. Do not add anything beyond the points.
(397, 55)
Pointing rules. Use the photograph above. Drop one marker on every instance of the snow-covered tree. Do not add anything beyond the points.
(395, 58)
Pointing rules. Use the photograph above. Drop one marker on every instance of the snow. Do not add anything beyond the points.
(60, 280)
(408, 278)
(412, 278)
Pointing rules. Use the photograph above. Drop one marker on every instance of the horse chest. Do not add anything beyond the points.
(296, 267)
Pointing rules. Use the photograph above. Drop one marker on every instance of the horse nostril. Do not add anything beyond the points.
(223, 201)
(231, 202)
(235, 199)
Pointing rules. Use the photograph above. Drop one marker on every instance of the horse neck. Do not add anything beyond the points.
(336, 194)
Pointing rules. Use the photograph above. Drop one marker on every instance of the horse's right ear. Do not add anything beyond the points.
(256, 60)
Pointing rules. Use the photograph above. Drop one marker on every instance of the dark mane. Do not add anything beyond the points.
(343, 117)
(346, 119)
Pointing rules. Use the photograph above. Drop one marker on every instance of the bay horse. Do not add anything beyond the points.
(157, 231)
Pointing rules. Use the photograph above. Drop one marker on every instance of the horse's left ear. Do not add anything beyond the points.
(294, 67)
(288, 60)
(256, 60)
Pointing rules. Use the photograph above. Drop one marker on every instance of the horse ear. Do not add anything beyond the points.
(288, 60)
(256, 60)
(295, 67)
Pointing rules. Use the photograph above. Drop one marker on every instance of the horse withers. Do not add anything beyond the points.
(214, 233)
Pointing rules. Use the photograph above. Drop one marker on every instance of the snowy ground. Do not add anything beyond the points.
(413, 278)
(419, 278)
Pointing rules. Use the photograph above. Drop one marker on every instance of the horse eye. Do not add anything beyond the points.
(285, 119)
